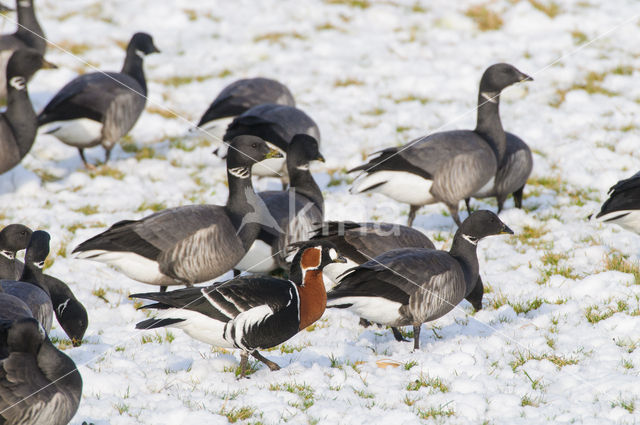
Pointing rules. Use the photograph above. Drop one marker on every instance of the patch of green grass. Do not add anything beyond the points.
(375, 111)
(181, 80)
(409, 365)
(627, 404)
(618, 262)
(122, 408)
(412, 98)
(304, 391)
(528, 400)
(627, 364)
(178, 143)
(252, 367)
(418, 8)
(100, 293)
(551, 9)
(628, 344)
(359, 4)
(87, 209)
(485, 18)
(527, 306)
(46, 176)
(278, 37)
(595, 313)
(288, 349)
(146, 339)
(592, 84)
(579, 37)
(155, 207)
(623, 70)
(163, 112)
(237, 413)
(423, 381)
(560, 361)
(105, 171)
(77, 49)
(345, 82)
(146, 152)
(530, 235)
(435, 412)
(61, 343)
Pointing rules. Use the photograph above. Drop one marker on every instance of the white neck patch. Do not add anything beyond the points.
(471, 239)
(491, 97)
(240, 172)
(140, 53)
(18, 83)
(303, 167)
(39, 264)
(24, 3)
(62, 307)
(8, 254)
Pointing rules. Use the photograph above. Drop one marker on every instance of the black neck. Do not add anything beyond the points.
(242, 204)
(303, 184)
(29, 29)
(488, 125)
(133, 67)
(33, 274)
(20, 115)
(464, 251)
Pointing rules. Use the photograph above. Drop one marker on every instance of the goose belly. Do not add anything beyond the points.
(198, 326)
(132, 265)
(629, 219)
(375, 309)
(212, 131)
(487, 190)
(81, 132)
(258, 259)
(397, 185)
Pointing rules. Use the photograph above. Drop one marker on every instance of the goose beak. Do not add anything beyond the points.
(524, 77)
(76, 342)
(155, 49)
(320, 158)
(48, 65)
(340, 259)
(505, 230)
(273, 153)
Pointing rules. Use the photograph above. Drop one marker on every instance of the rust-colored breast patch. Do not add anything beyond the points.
(311, 257)
(313, 298)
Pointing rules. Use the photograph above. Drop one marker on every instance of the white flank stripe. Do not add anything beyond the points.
(132, 265)
(80, 133)
(215, 304)
(398, 185)
(629, 219)
(198, 326)
(374, 309)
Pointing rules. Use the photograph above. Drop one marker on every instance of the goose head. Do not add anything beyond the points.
(38, 249)
(481, 224)
(500, 76)
(302, 150)
(142, 44)
(244, 151)
(312, 255)
(22, 64)
(73, 318)
(14, 238)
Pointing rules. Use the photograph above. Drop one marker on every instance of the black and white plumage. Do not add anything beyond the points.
(449, 166)
(623, 205)
(46, 295)
(296, 210)
(18, 124)
(99, 108)
(277, 124)
(237, 98)
(13, 238)
(410, 286)
(249, 312)
(194, 243)
(39, 385)
(512, 175)
(29, 35)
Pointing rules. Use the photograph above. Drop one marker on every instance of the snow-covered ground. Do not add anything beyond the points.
(557, 339)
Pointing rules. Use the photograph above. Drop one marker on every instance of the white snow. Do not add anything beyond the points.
(557, 340)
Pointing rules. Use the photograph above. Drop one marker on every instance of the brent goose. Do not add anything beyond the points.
(39, 384)
(277, 124)
(46, 295)
(101, 107)
(449, 166)
(235, 99)
(28, 35)
(13, 238)
(410, 286)
(249, 312)
(296, 211)
(18, 125)
(512, 173)
(623, 205)
(194, 243)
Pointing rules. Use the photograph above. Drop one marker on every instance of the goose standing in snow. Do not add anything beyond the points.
(237, 98)
(512, 175)
(277, 124)
(411, 286)
(29, 35)
(194, 243)
(46, 295)
(101, 107)
(449, 166)
(623, 205)
(39, 384)
(13, 238)
(249, 312)
(18, 124)
(296, 210)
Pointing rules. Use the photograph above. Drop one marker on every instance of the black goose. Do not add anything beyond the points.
(39, 384)
(449, 166)
(238, 97)
(512, 175)
(296, 210)
(45, 295)
(13, 238)
(29, 35)
(101, 107)
(623, 205)
(18, 124)
(252, 312)
(277, 124)
(410, 286)
(194, 243)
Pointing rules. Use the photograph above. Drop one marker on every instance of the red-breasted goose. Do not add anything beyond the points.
(99, 108)
(249, 312)
(29, 35)
(194, 243)
(296, 210)
(237, 98)
(277, 124)
(13, 238)
(39, 384)
(623, 205)
(18, 124)
(449, 166)
(411, 286)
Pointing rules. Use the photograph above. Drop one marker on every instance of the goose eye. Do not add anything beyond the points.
(254, 145)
